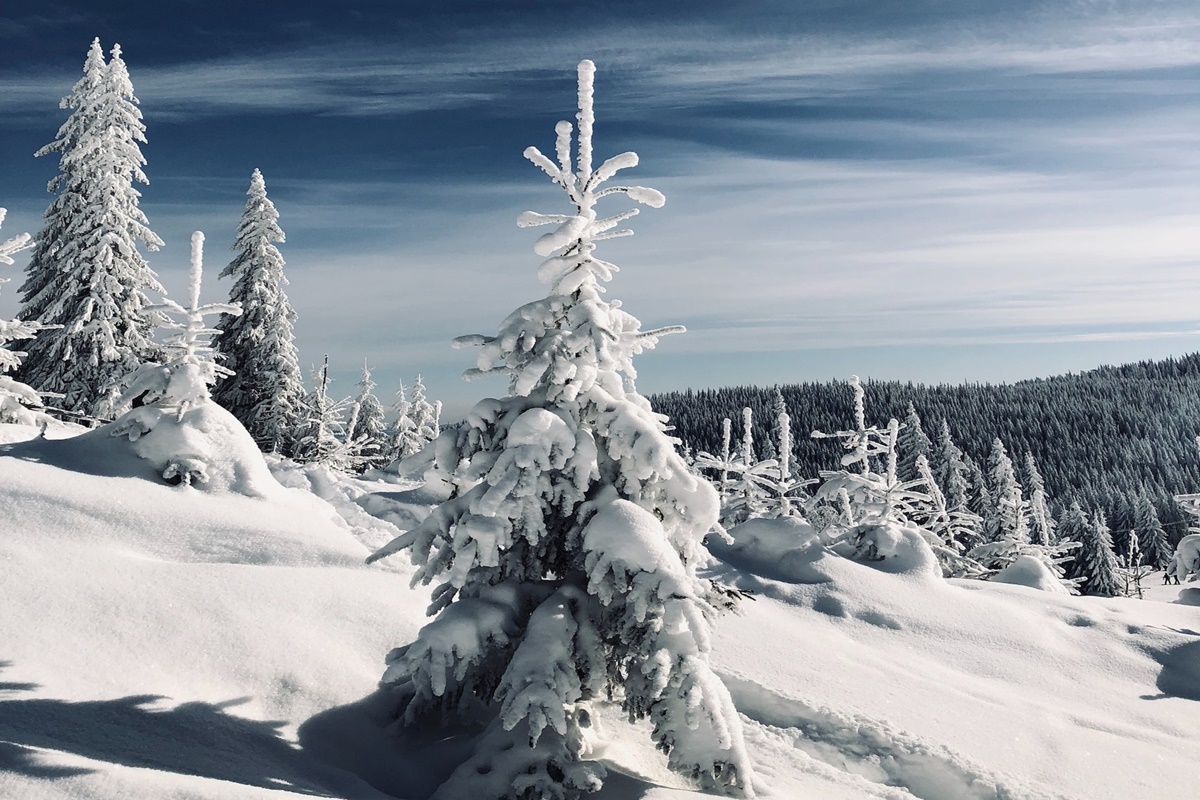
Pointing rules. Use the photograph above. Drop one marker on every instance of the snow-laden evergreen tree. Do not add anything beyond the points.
(778, 407)
(86, 275)
(191, 368)
(979, 497)
(861, 442)
(565, 556)
(914, 443)
(402, 437)
(1133, 567)
(949, 529)
(747, 498)
(1011, 517)
(319, 438)
(1041, 521)
(1096, 563)
(266, 390)
(1154, 542)
(872, 503)
(19, 403)
(722, 464)
(423, 413)
(367, 430)
(183, 381)
(952, 471)
(774, 490)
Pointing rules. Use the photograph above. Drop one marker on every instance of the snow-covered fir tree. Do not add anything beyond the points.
(721, 464)
(778, 406)
(951, 530)
(1041, 521)
(872, 504)
(367, 430)
(191, 367)
(1153, 538)
(319, 437)
(913, 444)
(19, 403)
(424, 415)
(1133, 567)
(183, 381)
(402, 438)
(565, 557)
(266, 390)
(746, 498)
(776, 491)
(1011, 517)
(1095, 564)
(86, 275)
(952, 471)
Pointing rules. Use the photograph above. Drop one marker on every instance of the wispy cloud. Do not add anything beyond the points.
(670, 63)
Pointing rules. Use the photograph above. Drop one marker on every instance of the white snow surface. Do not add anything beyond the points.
(162, 641)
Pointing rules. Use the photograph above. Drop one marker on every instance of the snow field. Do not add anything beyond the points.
(178, 642)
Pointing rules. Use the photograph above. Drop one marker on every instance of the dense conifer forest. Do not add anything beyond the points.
(1100, 437)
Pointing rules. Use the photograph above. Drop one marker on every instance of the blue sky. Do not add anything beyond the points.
(934, 190)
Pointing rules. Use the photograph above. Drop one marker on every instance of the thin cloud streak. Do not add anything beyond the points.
(679, 64)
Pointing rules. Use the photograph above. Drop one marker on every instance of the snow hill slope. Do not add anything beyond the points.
(161, 641)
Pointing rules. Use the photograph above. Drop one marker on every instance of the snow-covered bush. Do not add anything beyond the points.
(1185, 563)
(564, 559)
(19, 403)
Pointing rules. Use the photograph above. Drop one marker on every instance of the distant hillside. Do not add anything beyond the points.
(1099, 436)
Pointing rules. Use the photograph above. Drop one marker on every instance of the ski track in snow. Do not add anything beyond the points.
(891, 763)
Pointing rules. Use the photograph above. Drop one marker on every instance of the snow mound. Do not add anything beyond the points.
(1028, 571)
(786, 549)
(1189, 596)
(893, 548)
(205, 447)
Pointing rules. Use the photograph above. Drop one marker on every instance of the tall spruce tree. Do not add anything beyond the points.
(1041, 521)
(913, 444)
(1011, 517)
(367, 431)
(402, 438)
(266, 390)
(86, 275)
(952, 472)
(1096, 562)
(424, 415)
(565, 558)
(1155, 545)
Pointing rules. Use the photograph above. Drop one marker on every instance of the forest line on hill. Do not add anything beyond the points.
(1100, 437)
